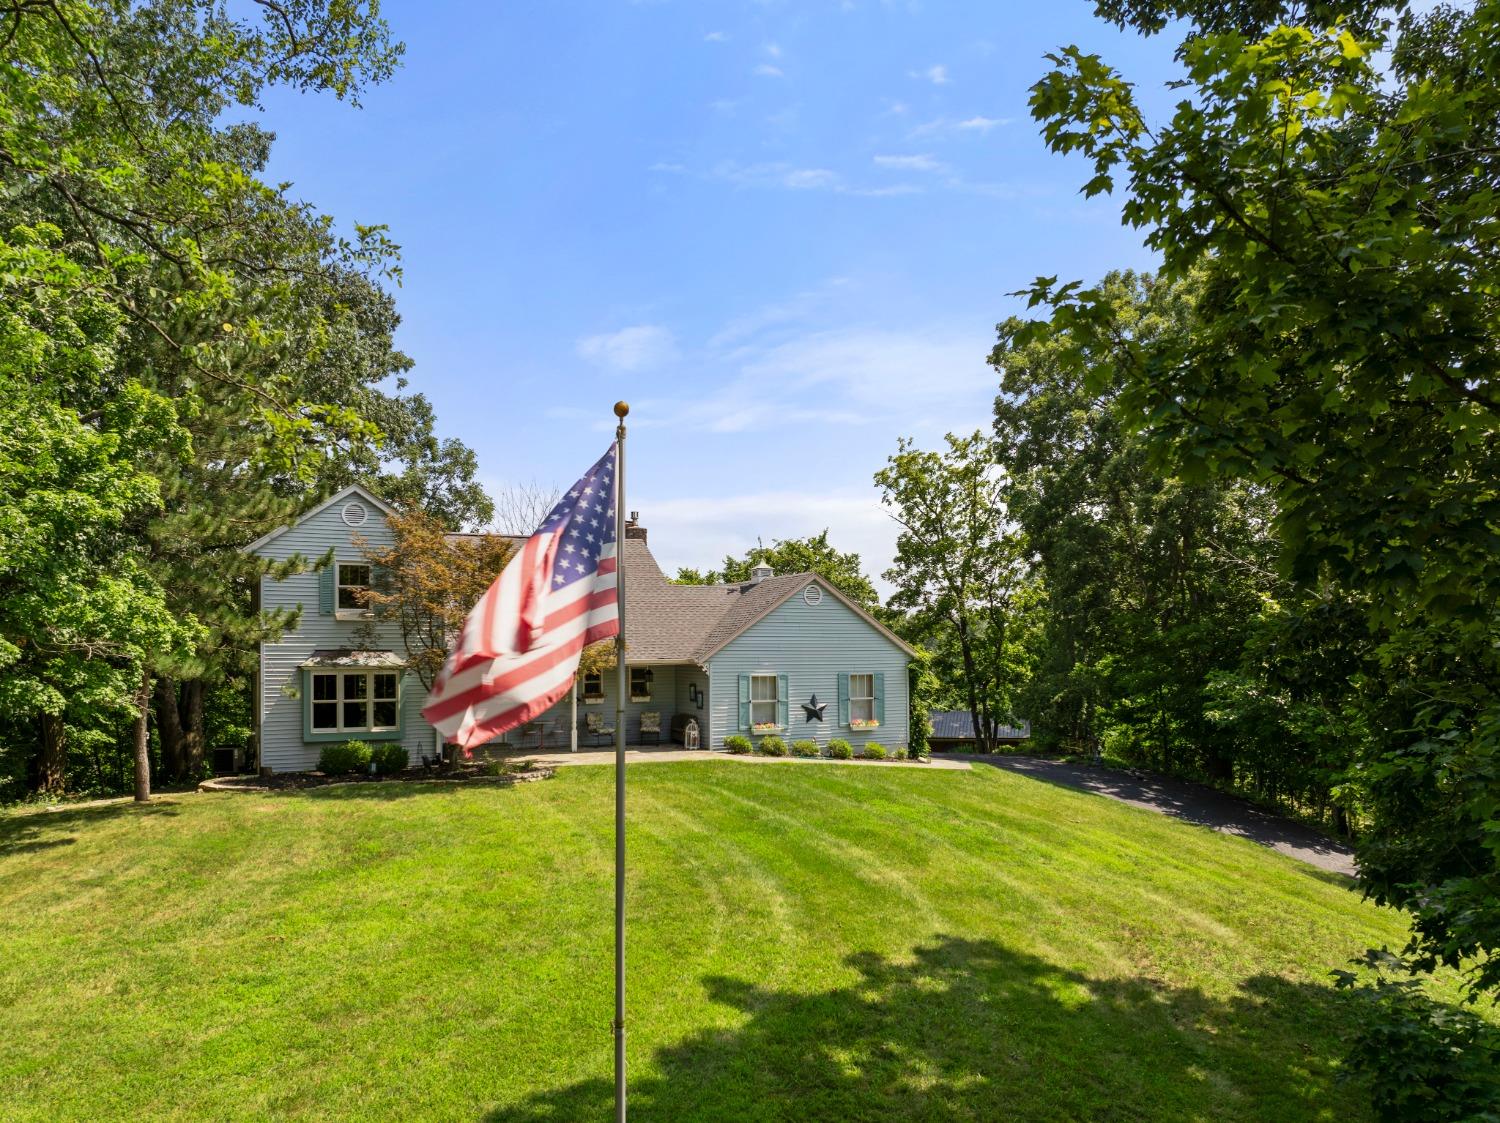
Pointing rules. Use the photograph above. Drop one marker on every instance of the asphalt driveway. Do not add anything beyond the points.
(1181, 799)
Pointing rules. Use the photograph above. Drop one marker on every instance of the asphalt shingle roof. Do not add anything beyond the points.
(667, 623)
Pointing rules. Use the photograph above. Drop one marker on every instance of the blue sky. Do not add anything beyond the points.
(783, 232)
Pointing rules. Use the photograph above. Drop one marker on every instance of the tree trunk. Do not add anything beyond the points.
(980, 741)
(193, 732)
(169, 729)
(52, 754)
(142, 741)
(1341, 824)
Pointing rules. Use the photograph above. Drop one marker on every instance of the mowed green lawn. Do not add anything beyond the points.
(807, 942)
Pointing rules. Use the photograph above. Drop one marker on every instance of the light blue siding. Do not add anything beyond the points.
(812, 644)
(696, 676)
(281, 745)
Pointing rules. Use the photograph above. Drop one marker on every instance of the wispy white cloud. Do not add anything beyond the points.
(636, 348)
(875, 371)
(867, 375)
(780, 175)
(773, 49)
(937, 75)
(766, 70)
(699, 530)
(790, 177)
(794, 374)
(779, 313)
(810, 179)
(941, 125)
(915, 163)
(716, 37)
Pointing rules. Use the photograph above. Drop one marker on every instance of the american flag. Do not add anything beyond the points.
(520, 645)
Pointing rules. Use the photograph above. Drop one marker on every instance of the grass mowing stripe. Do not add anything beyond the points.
(805, 942)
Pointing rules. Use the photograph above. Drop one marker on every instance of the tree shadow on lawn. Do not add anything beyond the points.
(974, 1030)
(47, 830)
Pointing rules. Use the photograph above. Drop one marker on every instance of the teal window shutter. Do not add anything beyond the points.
(843, 698)
(380, 582)
(744, 701)
(880, 697)
(782, 700)
(325, 589)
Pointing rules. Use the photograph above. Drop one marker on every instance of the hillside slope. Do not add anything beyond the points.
(816, 942)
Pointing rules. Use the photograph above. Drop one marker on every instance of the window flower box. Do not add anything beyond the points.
(864, 723)
(765, 727)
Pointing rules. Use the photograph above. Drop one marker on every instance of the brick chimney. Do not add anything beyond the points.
(633, 528)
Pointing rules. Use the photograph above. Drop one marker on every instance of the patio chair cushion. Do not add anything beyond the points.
(594, 723)
(650, 721)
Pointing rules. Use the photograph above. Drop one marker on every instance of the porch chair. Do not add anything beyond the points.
(650, 726)
(593, 726)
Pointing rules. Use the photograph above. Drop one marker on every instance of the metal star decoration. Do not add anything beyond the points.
(814, 709)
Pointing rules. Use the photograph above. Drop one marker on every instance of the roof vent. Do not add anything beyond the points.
(759, 572)
(355, 513)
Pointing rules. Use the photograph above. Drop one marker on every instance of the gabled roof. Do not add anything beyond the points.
(667, 623)
(351, 490)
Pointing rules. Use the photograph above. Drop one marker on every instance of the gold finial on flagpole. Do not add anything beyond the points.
(621, 409)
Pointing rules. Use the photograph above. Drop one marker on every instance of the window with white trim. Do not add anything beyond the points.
(640, 684)
(353, 582)
(593, 686)
(861, 698)
(763, 699)
(355, 701)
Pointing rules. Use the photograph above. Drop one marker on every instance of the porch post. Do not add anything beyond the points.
(573, 717)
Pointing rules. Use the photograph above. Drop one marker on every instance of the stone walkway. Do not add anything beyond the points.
(650, 755)
(1192, 803)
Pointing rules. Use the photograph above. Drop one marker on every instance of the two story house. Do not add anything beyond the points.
(788, 654)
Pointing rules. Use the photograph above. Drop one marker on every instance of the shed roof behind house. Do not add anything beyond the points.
(958, 725)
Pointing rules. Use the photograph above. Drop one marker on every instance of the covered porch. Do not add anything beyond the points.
(661, 700)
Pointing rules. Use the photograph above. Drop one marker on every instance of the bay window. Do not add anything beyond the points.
(353, 702)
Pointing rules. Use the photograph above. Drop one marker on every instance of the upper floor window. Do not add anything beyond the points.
(861, 698)
(353, 582)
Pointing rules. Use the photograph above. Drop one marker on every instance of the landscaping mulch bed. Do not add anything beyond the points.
(475, 773)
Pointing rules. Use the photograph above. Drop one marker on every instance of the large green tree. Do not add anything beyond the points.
(263, 329)
(1334, 181)
(960, 573)
(83, 621)
(1150, 580)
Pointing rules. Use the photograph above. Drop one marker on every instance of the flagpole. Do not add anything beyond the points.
(621, 409)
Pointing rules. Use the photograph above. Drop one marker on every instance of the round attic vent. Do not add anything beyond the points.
(355, 513)
(812, 594)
